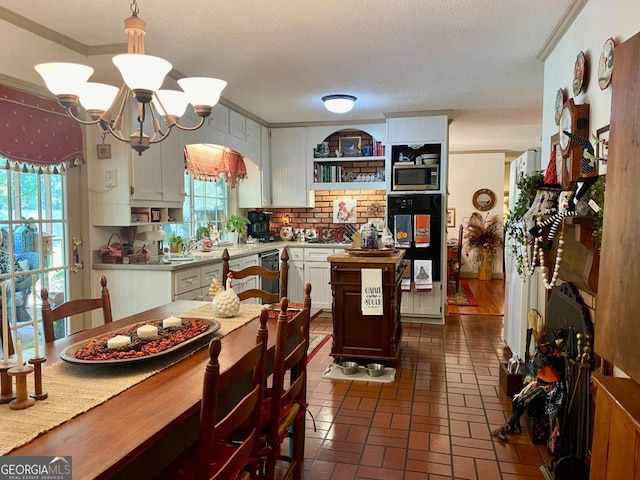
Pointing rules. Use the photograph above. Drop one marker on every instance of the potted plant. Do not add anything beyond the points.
(484, 235)
(202, 232)
(175, 242)
(238, 224)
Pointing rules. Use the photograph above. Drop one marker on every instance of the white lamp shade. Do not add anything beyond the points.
(142, 72)
(64, 78)
(202, 90)
(339, 103)
(97, 96)
(174, 102)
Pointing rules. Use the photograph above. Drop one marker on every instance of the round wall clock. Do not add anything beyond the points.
(605, 66)
(579, 73)
(567, 117)
(484, 199)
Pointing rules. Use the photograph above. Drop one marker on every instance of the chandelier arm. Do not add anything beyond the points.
(79, 120)
(117, 134)
(190, 129)
(160, 138)
(154, 120)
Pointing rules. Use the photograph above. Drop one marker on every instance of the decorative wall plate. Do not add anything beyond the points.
(605, 66)
(579, 73)
(560, 99)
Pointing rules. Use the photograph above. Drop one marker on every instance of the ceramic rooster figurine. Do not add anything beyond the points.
(226, 303)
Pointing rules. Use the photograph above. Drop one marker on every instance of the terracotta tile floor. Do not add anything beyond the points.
(432, 423)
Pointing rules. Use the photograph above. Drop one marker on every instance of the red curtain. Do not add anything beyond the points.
(209, 162)
(36, 130)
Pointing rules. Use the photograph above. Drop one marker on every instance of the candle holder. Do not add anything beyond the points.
(6, 383)
(22, 399)
(37, 378)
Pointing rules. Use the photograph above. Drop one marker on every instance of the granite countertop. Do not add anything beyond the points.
(215, 256)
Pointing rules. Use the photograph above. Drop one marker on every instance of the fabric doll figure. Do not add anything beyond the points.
(543, 396)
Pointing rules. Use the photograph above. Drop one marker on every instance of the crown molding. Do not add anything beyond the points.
(561, 28)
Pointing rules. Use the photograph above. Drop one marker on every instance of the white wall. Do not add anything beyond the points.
(467, 174)
(598, 21)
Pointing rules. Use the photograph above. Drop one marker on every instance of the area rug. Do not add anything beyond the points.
(334, 372)
(463, 297)
(316, 342)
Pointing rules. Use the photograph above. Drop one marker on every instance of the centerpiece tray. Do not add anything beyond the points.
(69, 353)
(371, 252)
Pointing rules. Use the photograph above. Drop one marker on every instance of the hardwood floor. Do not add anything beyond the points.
(489, 295)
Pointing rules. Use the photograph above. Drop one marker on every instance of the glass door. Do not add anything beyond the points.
(33, 244)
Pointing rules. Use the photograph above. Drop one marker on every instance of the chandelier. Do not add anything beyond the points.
(142, 76)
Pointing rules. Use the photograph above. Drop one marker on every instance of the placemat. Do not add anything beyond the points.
(73, 388)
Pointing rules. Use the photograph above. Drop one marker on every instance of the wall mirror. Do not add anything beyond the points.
(484, 199)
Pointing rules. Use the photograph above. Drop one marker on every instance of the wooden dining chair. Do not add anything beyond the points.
(281, 275)
(286, 399)
(73, 307)
(228, 445)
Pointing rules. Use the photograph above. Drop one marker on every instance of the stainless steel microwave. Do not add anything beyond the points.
(408, 177)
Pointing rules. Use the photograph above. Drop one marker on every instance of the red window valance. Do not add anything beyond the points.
(209, 162)
(36, 130)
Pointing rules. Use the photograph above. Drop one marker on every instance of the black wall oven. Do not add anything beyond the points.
(422, 204)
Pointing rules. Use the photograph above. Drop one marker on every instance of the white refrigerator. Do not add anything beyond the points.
(521, 294)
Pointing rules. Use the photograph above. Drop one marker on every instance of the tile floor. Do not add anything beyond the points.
(432, 423)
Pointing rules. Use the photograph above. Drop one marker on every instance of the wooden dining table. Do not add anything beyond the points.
(137, 432)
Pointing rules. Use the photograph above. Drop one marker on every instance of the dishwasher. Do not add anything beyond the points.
(271, 261)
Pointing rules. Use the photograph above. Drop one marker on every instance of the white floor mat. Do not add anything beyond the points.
(333, 372)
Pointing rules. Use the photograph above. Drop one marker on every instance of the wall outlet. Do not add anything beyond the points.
(111, 178)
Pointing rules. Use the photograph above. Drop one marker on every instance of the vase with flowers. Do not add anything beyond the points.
(484, 237)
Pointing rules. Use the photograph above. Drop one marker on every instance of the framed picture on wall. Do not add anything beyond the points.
(451, 217)
(602, 147)
(349, 146)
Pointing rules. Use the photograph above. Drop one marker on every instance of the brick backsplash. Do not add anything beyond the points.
(322, 215)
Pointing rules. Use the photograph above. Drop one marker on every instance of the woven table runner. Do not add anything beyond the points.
(73, 388)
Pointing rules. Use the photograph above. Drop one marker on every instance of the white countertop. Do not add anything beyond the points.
(203, 258)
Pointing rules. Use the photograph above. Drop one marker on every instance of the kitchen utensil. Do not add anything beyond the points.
(348, 368)
(374, 369)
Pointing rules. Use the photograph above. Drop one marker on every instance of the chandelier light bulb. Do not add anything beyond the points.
(339, 103)
(202, 90)
(97, 96)
(64, 78)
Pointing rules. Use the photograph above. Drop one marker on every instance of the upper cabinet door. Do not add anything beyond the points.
(289, 177)
(172, 151)
(418, 129)
(237, 125)
(252, 131)
(220, 118)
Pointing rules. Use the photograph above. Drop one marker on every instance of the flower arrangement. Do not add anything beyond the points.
(484, 235)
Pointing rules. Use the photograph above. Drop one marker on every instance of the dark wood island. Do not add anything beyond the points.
(359, 336)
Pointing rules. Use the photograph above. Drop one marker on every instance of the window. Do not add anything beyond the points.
(205, 202)
(33, 229)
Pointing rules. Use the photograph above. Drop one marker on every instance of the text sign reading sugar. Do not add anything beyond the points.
(35, 468)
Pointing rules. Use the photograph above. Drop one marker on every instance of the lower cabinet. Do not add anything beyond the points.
(295, 287)
(247, 283)
(194, 283)
(423, 305)
(317, 272)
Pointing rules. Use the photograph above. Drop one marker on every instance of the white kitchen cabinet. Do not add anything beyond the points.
(417, 306)
(247, 283)
(252, 132)
(207, 274)
(244, 128)
(255, 190)
(220, 118)
(289, 168)
(418, 129)
(295, 287)
(317, 272)
(158, 174)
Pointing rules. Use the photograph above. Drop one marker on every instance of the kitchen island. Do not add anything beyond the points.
(366, 336)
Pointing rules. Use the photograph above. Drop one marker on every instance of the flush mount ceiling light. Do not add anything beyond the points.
(339, 103)
(142, 76)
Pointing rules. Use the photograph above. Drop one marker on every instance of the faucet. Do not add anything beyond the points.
(189, 247)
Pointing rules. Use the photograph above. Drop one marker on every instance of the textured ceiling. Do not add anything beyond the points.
(475, 58)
